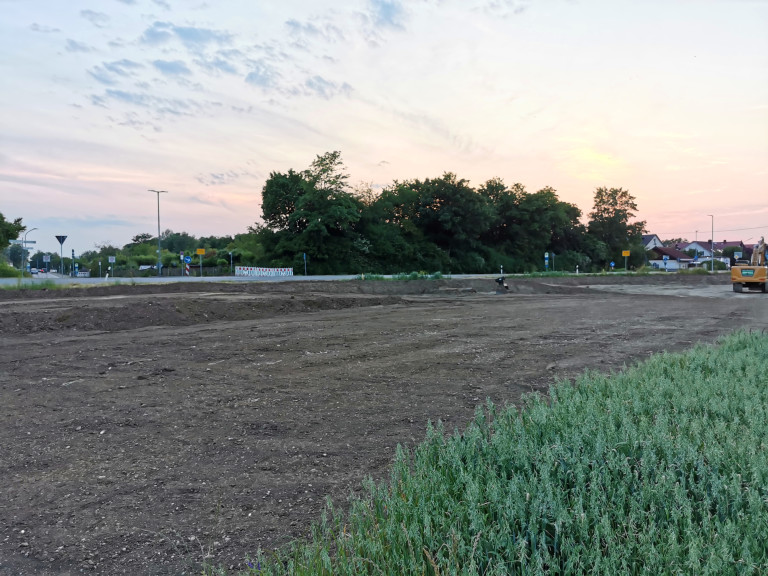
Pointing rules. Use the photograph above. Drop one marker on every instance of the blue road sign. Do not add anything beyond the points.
(187, 259)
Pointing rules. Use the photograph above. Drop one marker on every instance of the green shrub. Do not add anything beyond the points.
(7, 271)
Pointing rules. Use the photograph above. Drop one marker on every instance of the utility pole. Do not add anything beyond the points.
(712, 242)
(159, 262)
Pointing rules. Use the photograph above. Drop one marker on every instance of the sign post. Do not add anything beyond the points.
(625, 253)
(201, 253)
(546, 261)
(111, 265)
(61, 244)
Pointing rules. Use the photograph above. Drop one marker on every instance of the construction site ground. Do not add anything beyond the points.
(145, 429)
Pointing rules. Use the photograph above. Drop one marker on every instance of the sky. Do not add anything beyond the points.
(104, 100)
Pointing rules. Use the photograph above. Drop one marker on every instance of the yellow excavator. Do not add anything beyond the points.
(752, 275)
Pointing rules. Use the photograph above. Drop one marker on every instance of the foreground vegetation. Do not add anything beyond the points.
(662, 469)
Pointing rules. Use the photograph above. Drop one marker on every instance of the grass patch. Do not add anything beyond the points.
(419, 276)
(34, 285)
(661, 469)
(694, 272)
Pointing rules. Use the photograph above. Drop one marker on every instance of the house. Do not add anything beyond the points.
(701, 249)
(669, 259)
(651, 241)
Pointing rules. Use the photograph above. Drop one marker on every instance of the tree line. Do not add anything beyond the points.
(441, 224)
(437, 224)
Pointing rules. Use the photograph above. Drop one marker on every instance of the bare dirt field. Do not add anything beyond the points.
(146, 428)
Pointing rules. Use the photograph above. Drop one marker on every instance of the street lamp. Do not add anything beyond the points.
(158, 192)
(712, 243)
(230, 263)
(24, 251)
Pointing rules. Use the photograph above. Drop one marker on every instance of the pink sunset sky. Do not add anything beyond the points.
(102, 101)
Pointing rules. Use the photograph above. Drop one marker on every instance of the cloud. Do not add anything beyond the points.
(262, 74)
(158, 33)
(107, 72)
(319, 86)
(74, 46)
(172, 68)
(35, 27)
(122, 67)
(190, 36)
(162, 4)
(505, 8)
(220, 178)
(98, 19)
(129, 2)
(302, 33)
(216, 64)
(387, 13)
(159, 107)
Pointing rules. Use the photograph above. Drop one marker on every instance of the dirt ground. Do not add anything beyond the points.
(146, 428)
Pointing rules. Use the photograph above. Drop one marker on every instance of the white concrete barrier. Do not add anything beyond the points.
(258, 271)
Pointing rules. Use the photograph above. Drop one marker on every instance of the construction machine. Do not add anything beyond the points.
(752, 275)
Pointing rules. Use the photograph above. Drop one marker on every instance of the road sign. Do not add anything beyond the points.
(665, 257)
(46, 258)
(200, 251)
(187, 259)
(111, 259)
(625, 253)
(61, 239)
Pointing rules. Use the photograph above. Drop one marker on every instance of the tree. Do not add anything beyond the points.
(16, 255)
(313, 213)
(453, 216)
(9, 231)
(610, 224)
(142, 238)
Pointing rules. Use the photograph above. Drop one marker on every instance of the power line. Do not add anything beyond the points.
(695, 231)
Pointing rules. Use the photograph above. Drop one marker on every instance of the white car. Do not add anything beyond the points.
(33, 270)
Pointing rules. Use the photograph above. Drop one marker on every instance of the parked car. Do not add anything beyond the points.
(33, 270)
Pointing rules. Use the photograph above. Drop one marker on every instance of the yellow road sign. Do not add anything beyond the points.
(200, 251)
(625, 253)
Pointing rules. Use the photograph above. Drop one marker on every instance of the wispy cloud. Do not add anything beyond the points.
(302, 34)
(262, 74)
(190, 36)
(172, 68)
(505, 8)
(98, 19)
(163, 4)
(158, 106)
(387, 13)
(217, 64)
(220, 178)
(319, 86)
(109, 72)
(35, 27)
(75, 46)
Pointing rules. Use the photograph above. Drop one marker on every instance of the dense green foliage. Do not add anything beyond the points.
(436, 224)
(9, 230)
(661, 469)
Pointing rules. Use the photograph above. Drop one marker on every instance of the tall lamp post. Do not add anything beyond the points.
(712, 242)
(24, 251)
(230, 263)
(158, 192)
